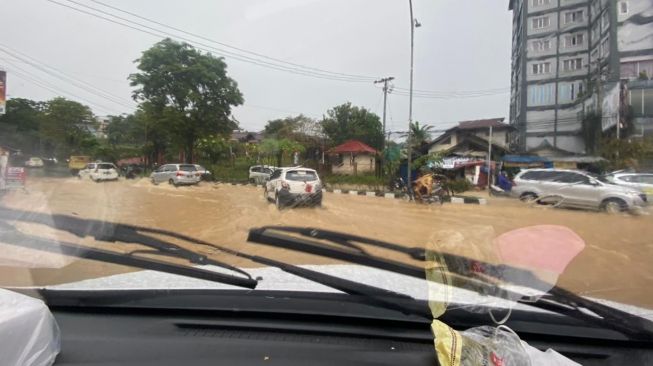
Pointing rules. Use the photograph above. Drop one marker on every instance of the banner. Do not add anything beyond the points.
(3, 91)
(610, 106)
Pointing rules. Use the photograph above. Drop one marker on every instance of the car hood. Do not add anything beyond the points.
(274, 279)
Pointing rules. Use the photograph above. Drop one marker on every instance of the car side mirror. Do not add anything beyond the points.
(594, 182)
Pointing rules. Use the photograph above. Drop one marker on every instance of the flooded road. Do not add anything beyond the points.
(615, 264)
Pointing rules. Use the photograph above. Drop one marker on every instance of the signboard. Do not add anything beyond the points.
(3, 91)
(15, 178)
(610, 106)
(457, 162)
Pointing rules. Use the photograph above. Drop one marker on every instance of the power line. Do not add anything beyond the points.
(293, 67)
(23, 74)
(205, 47)
(227, 45)
(67, 78)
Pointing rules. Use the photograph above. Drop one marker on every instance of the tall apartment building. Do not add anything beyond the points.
(569, 56)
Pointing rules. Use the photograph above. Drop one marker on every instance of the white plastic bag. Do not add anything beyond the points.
(29, 335)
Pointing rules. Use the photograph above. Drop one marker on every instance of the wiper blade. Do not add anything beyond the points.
(346, 249)
(105, 231)
(101, 230)
(10, 236)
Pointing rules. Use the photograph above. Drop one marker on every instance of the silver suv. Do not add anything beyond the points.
(176, 174)
(571, 188)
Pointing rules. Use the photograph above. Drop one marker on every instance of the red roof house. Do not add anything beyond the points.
(353, 157)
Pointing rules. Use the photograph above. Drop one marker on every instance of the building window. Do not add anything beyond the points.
(623, 7)
(538, 3)
(541, 68)
(540, 22)
(541, 45)
(605, 20)
(574, 40)
(575, 16)
(572, 64)
(539, 95)
(595, 31)
(605, 47)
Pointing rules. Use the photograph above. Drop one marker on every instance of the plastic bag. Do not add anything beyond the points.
(30, 336)
(489, 346)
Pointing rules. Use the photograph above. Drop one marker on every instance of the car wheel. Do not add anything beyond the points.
(265, 194)
(614, 205)
(154, 181)
(171, 182)
(277, 202)
(528, 197)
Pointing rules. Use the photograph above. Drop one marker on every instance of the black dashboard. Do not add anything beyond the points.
(191, 327)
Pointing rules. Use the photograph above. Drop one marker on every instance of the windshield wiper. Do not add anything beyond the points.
(104, 231)
(346, 249)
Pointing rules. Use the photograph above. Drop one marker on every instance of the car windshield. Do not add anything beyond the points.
(253, 136)
(301, 175)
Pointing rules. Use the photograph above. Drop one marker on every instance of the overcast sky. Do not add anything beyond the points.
(462, 46)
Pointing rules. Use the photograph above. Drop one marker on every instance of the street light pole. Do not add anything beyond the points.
(410, 99)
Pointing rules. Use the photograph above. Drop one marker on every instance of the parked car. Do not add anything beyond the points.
(204, 173)
(293, 187)
(176, 174)
(640, 181)
(260, 173)
(577, 189)
(77, 163)
(34, 162)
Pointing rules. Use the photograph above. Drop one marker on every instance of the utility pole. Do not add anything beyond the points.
(410, 99)
(385, 101)
(489, 160)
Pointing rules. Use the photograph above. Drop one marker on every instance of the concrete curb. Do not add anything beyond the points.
(458, 200)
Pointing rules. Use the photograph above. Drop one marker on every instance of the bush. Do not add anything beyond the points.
(372, 181)
(459, 185)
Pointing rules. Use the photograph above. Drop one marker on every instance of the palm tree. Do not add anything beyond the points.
(419, 135)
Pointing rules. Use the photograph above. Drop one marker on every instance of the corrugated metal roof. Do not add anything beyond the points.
(482, 123)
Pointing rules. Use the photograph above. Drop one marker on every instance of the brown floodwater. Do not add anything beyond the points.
(615, 264)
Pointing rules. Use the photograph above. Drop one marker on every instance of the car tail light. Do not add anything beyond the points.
(285, 185)
(180, 174)
(308, 188)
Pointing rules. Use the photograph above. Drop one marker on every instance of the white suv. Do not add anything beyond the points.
(293, 187)
(99, 172)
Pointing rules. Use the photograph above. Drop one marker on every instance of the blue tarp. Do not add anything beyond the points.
(527, 160)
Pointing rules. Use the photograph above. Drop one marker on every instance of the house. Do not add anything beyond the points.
(352, 157)
(245, 136)
(471, 139)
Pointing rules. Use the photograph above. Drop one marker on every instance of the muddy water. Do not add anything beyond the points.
(615, 264)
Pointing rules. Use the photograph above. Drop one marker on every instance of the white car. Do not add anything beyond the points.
(260, 173)
(640, 181)
(34, 162)
(99, 171)
(294, 187)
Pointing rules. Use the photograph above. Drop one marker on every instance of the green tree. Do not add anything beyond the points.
(67, 125)
(347, 122)
(19, 126)
(212, 148)
(189, 91)
(280, 148)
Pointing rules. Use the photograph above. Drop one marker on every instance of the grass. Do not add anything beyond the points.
(367, 182)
